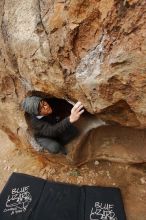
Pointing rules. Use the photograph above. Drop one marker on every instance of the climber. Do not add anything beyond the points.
(52, 130)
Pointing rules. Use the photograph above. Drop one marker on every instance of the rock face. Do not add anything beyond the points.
(92, 51)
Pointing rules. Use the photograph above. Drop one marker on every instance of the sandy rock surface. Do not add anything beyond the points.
(92, 51)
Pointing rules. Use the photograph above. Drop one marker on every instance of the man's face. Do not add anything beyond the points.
(44, 108)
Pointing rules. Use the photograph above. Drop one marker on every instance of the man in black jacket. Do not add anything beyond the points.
(49, 128)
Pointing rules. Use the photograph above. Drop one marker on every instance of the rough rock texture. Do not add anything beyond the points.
(88, 50)
(93, 51)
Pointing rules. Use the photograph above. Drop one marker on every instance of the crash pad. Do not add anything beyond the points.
(25, 197)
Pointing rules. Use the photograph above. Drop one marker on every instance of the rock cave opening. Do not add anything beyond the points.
(105, 140)
(62, 108)
(86, 123)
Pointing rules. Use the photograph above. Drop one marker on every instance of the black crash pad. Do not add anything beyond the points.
(26, 197)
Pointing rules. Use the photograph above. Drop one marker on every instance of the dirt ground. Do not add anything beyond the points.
(131, 179)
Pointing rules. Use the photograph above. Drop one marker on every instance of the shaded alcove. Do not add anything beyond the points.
(120, 113)
(99, 139)
(61, 107)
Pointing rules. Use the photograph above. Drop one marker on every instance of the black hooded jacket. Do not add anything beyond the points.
(54, 125)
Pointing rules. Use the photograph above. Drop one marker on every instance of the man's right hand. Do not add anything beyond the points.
(76, 112)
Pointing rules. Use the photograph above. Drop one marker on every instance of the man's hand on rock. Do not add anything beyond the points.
(76, 112)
